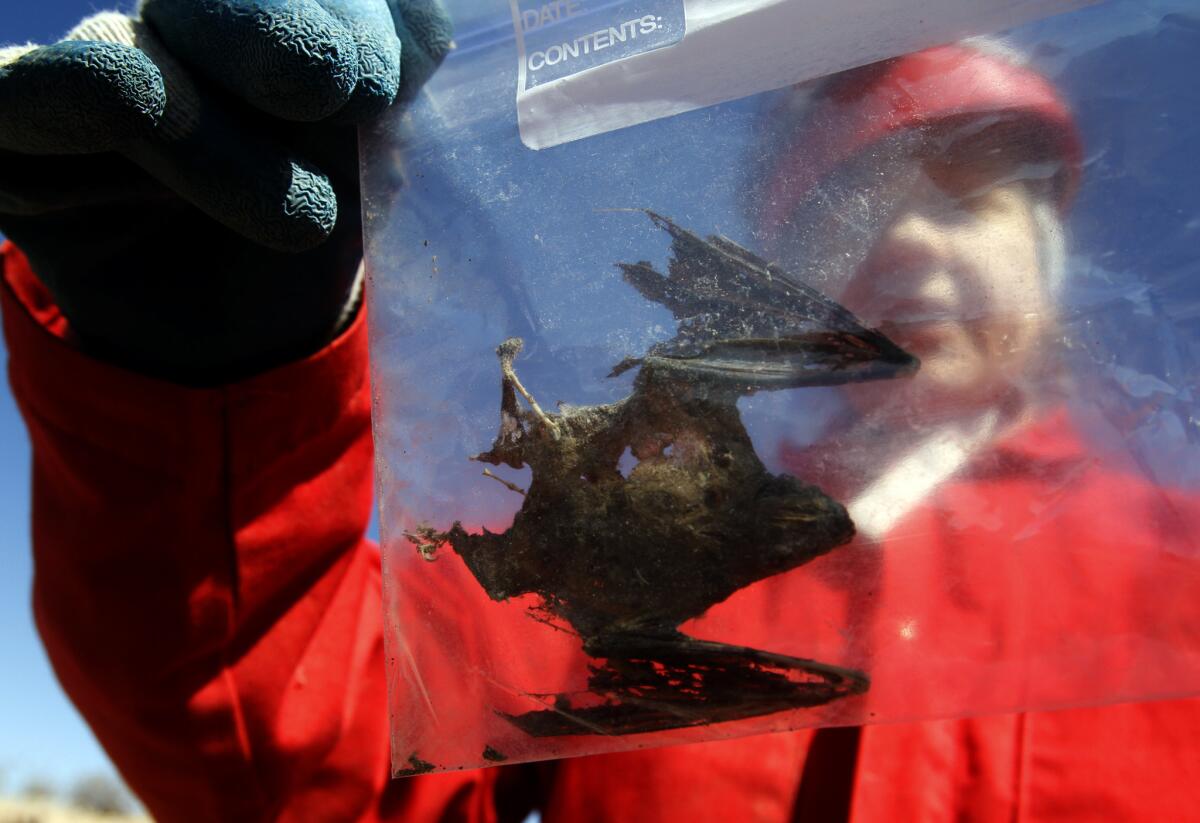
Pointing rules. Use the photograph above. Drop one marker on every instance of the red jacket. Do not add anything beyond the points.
(209, 602)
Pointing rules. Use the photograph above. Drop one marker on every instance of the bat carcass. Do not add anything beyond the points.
(626, 558)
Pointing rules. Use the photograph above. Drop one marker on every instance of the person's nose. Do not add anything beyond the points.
(914, 241)
(909, 275)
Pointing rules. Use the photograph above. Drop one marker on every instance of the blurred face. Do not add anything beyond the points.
(955, 279)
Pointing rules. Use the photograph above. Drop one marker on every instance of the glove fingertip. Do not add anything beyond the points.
(309, 211)
(416, 65)
(290, 59)
(378, 81)
(79, 97)
(429, 25)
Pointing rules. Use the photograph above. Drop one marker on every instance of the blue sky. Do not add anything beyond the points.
(40, 731)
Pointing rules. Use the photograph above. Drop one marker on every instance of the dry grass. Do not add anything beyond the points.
(16, 810)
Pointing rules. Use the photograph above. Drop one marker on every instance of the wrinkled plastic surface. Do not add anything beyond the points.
(1028, 534)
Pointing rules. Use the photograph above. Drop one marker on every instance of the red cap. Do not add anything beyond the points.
(865, 105)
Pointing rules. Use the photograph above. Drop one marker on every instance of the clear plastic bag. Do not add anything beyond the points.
(856, 398)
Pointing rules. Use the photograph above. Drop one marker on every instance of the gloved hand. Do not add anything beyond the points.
(185, 183)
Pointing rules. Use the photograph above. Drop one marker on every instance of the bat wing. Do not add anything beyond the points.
(746, 322)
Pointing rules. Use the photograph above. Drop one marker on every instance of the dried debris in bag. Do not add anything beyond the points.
(626, 559)
(493, 756)
(415, 766)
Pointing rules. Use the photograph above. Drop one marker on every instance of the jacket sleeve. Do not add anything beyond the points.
(202, 582)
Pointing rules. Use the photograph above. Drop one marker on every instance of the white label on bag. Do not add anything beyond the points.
(589, 66)
(563, 37)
